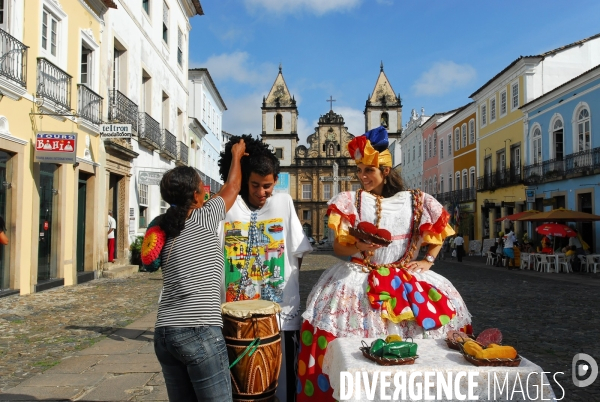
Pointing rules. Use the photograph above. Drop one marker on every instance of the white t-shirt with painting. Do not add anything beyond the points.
(270, 267)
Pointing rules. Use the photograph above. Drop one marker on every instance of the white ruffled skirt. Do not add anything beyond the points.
(338, 304)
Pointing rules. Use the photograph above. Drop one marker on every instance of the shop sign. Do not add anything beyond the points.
(55, 147)
(467, 207)
(150, 178)
(115, 130)
(530, 195)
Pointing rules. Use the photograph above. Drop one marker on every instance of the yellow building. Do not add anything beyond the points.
(50, 107)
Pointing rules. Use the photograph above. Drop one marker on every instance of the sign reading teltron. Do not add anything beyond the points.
(115, 130)
(55, 147)
(150, 178)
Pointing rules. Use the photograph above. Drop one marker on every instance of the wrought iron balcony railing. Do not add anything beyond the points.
(122, 109)
(149, 132)
(13, 58)
(53, 84)
(533, 173)
(182, 153)
(486, 182)
(578, 162)
(462, 195)
(89, 104)
(169, 145)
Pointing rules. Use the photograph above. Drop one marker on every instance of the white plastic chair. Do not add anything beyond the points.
(546, 263)
(564, 264)
(492, 258)
(524, 261)
(591, 263)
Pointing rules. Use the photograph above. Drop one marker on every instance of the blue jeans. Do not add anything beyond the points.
(194, 363)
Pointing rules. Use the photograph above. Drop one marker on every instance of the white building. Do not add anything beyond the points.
(146, 48)
(206, 108)
(411, 146)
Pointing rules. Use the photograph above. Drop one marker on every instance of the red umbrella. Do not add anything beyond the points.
(556, 229)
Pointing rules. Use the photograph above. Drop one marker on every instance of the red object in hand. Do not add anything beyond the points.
(367, 227)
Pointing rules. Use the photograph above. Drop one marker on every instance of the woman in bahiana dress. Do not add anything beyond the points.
(379, 290)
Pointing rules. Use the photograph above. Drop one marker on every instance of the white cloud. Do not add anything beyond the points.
(237, 67)
(443, 77)
(318, 7)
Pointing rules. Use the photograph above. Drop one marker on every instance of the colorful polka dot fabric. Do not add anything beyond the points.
(400, 296)
(312, 384)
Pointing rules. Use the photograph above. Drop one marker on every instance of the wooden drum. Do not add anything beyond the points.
(253, 378)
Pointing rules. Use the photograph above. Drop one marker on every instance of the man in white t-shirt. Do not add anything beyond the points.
(264, 244)
(459, 243)
(112, 225)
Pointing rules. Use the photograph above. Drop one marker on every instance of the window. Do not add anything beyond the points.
(355, 186)
(204, 108)
(279, 153)
(307, 191)
(146, 101)
(515, 160)
(165, 111)
(278, 121)
(471, 131)
(441, 148)
(463, 130)
(434, 144)
(86, 65)
(558, 140)
(3, 15)
(143, 194)
(165, 27)
(430, 148)
(419, 149)
(179, 47)
(456, 139)
(515, 95)
(414, 156)
(583, 130)
(49, 32)
(146, 6)
(501, 162)
(493, 109)
(537, 146)
(472, 174)
(449, 144)
(384, 119)
(449, 181)
(502, 103)
(326, 191)
(441, 184)
(143, 223)
(483, 115)
(163, 207)
(457, 185)
(306, 215)
(465, 182)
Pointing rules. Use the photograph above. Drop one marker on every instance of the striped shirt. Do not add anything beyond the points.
(193, 271)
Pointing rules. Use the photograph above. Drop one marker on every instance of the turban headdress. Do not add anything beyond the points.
(371, 148)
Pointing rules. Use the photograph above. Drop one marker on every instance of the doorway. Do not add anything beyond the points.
(113, 205)
(81, 219)
(47, 262)
(587, 228)
(5, 179)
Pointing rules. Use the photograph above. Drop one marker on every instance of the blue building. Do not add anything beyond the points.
(562, 150)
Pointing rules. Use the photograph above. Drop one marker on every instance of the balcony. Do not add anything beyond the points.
(456, 196)
(89, 105)
(573, 165)
(53, 84)
(182, 154)
(169, 145)
(149, 132)
(13, 59)
(122, 109)
(501, 178)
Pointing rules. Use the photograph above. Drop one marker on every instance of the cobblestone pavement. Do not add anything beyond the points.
(550, 317)
(39, 330)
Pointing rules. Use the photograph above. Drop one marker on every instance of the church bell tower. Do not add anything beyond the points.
(280, 121)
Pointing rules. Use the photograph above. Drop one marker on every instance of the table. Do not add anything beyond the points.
(344, 363)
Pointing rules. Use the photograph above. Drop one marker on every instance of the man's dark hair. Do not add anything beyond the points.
(260, 160)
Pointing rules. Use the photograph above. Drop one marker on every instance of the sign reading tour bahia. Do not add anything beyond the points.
(115, 130)
(56, 147)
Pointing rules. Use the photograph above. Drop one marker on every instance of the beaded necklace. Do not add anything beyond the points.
(417, 211)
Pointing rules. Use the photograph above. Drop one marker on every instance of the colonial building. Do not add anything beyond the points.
(411, 145)
(307, 171)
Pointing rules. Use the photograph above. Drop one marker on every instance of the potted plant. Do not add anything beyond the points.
(136, 251)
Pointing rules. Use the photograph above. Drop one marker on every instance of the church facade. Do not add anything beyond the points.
(308, 172)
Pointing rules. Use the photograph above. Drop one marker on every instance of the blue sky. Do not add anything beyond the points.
(435, 53)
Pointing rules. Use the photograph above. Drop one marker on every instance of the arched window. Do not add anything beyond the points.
(434, 144)
(583, 130)
(457, 185)
(558, 137)
(472, 174)
(449, 182)
(384, 120)
(441, 184)
(536, 146)
(463, 130)
(449, 144)
(278, 121)
(465, 182)
(471, 131)
(331, 150)
(441, 148)
(456, 139)
(430, 148)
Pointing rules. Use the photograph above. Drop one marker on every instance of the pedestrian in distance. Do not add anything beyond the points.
(112, 225)
(459, 242)
(186, 243)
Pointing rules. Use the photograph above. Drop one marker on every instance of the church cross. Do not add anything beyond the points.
(335, 178)
(330, 100)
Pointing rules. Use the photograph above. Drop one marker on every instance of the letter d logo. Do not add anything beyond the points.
(582, 370)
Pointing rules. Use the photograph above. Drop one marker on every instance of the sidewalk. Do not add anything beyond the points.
(122, 367)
